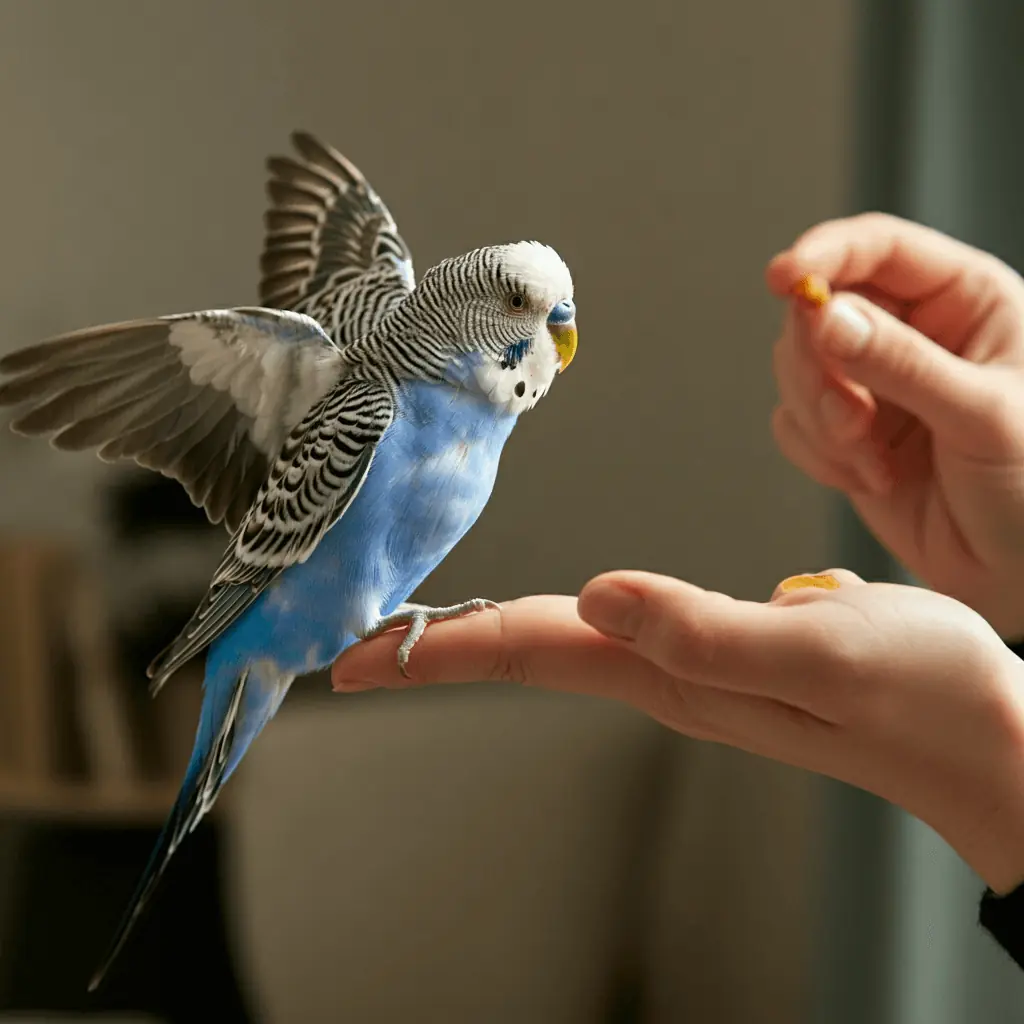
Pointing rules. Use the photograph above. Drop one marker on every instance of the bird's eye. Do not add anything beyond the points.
(517, 302)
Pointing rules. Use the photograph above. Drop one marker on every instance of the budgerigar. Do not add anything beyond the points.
(347, 431)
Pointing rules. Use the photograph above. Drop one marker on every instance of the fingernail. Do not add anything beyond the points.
(613, 610)
(352, 686)
(847, 331)
(837, 414)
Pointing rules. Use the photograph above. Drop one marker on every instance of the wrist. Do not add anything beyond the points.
(992, 840)
(997, 598)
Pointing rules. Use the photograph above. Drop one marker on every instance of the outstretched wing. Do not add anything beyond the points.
(205, 398)
(332, 248)
(318, 473)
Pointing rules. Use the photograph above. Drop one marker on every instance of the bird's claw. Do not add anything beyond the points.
(417, 617)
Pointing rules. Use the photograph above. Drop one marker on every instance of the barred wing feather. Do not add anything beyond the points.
(331, 248)
(206, 398)
(315, 478)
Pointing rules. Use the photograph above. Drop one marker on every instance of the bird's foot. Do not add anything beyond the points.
(416, 617)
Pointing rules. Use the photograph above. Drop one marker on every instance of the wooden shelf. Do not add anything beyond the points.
(145, 803)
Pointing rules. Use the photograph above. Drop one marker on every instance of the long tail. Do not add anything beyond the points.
(206, 773)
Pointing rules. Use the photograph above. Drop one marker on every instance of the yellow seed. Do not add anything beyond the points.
(813, 289)
(823, 581)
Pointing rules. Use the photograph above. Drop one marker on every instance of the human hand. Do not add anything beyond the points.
(923, 425)
(895, 689)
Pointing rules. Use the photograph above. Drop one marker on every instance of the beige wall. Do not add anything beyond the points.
(666, 147)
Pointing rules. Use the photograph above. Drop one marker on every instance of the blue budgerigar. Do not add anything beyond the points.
(347, 431)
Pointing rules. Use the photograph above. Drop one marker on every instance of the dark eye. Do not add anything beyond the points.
(517, 301)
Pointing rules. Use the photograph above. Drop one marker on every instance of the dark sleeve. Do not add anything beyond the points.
(1003, 916)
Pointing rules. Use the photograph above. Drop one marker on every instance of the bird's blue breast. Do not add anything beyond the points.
(430, 479)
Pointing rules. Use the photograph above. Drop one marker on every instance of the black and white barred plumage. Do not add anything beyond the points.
(332, 249)
(209, 398)
(272, 419)
(316, 476)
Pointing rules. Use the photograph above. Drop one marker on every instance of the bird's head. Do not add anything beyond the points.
(512, 319)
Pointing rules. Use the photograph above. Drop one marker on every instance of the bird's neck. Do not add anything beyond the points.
(403, 348)
(409, 345)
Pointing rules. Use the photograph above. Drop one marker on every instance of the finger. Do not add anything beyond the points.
(818, 401)
(897, 307)
(534, 641)
(951, 396)
(855, 470)
(826, 401)
(540, 641)
(906, 260)
(759, 725)
(786, 652)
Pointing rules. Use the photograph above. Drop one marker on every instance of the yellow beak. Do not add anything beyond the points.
(566, 340)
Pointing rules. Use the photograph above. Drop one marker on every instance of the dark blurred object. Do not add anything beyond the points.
(142, 505)
(61, 707)
(89, 765)
(32, 651)
(162, 550)
(75, 710)
(73, 883)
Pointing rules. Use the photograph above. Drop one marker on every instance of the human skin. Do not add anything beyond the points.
(906, 392)
(901, 691)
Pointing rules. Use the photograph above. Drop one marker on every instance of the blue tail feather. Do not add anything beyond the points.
(203, 779)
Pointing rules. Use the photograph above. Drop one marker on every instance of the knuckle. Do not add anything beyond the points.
(876, 221)
(679, 706)
(852, 692)
(1002, 276)
(822, 464)
(685, 642)
(510, 665)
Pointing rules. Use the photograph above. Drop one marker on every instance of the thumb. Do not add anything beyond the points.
(707, 637)
(899, 364)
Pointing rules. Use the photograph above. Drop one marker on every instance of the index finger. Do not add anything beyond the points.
(905, 260)
(534, 641)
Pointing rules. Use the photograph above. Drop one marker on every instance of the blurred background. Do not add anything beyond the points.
(479, 853)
